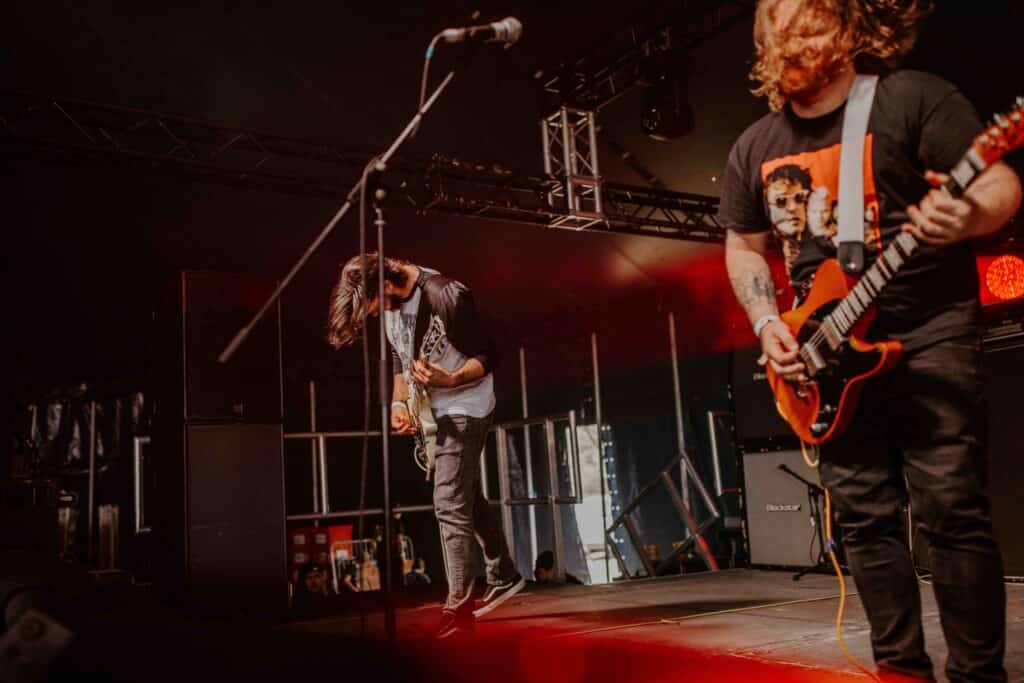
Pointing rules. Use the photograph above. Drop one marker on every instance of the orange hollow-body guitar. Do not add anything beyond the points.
(831, 324)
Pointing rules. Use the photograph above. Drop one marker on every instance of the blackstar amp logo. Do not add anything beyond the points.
(786, 507)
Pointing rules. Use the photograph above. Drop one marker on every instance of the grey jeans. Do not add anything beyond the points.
(463, 515)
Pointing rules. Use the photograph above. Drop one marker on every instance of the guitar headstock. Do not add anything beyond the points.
(1004, 135)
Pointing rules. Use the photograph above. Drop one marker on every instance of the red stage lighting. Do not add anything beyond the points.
(1004, 277)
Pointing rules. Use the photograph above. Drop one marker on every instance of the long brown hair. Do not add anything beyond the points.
(347, 309)
(876, 33)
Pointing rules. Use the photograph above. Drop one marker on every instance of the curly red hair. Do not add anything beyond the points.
(879, 32)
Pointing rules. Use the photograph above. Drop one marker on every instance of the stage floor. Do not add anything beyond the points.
(731, 625)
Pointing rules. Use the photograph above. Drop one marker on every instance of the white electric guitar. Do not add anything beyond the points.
(434, 344)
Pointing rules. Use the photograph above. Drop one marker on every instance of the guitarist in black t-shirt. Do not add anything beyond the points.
(917, 433)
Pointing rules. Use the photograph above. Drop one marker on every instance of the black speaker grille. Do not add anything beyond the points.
(248, 387)
(1004, 373)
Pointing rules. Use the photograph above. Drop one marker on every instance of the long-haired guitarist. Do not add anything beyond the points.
(917, 433)
(457, 377)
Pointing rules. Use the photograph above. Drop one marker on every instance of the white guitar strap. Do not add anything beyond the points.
(851, 174)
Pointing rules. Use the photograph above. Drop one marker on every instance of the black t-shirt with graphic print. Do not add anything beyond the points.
(782, 176)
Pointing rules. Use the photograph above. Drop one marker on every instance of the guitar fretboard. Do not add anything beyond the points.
(837, 325)
(863, 295)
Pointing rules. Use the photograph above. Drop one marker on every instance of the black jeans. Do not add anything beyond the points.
(919, 432)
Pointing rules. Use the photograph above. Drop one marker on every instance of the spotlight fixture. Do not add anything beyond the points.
(667, 112)
(1004, 277)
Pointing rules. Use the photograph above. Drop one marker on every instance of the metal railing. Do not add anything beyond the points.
(321, 500)
(553, 500)
(321, 495)
(138, 476)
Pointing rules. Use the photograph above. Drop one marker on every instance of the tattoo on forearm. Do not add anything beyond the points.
(754, 287)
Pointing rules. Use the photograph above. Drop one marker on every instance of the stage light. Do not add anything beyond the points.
(1004, 277)
(667, 112)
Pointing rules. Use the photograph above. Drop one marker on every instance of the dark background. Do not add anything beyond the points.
(87, 249)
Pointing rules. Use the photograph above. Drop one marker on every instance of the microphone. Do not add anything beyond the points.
(507, 31)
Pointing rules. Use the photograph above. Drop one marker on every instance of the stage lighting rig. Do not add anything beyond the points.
(667, 112)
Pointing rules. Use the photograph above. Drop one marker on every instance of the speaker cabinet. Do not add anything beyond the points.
(780, 531)
(1004, 376)
(757, 419)
(220, 520)
(200, 313)
(219, 517)
(237, 554)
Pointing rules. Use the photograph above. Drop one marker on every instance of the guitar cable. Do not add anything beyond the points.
(830, 548)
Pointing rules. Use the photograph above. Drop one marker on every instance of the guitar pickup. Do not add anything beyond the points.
(812, 360)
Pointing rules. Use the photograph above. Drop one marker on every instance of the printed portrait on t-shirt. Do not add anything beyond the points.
(801, 194)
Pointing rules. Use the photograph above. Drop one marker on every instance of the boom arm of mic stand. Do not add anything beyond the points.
(246, 329)
(810, 484)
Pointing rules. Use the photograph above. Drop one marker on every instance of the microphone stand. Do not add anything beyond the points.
(814, 495)
(379, 194)
(353, 196)
(246, 330)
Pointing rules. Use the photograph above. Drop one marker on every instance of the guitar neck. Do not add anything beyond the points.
(871, 284)
(892, 258)
(964, 173)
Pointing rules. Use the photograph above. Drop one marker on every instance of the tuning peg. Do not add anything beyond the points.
(1001, 121)
(1015, 117)
(1019, 101)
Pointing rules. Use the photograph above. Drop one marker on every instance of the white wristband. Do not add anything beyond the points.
(762, 322)
(399, 404)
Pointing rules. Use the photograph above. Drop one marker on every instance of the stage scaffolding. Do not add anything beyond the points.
(613, 66)
(90, 134)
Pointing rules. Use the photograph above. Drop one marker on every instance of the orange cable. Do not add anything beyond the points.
(830, 547)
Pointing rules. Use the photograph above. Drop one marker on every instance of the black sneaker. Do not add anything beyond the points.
(455, 624)
(498, 594)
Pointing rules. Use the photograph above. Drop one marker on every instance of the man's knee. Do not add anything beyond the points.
(452, 506)
(864, 520)
(952, 516)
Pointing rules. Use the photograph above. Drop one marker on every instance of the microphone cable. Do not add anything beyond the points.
(425, 77)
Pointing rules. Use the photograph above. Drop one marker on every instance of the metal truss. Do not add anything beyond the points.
(483, 192)
(90, 134)
(569, 139)
(601, 76)
(87, 133)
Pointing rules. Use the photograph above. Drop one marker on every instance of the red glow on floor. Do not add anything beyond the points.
(620, 657)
